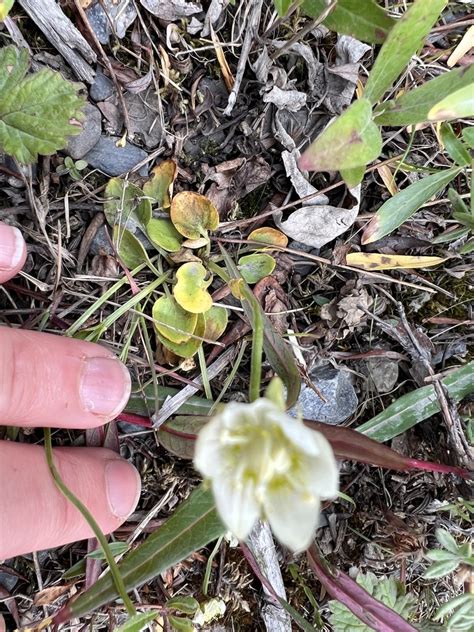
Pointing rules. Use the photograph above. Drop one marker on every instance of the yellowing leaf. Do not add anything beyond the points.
(191, 288)
(459, 104)
(5, 6)
(254, 267)
(163, 234)
(462, 48)
(268, 235)
(172, 321)
(216, 322)
(374, 261)
(160, 186)
(193, 214)
(387, 177)
(189, 348)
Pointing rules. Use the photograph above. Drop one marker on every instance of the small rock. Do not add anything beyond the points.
(102, 88)
(101, 243)
(113, 160)
(383, 374)
(79, 145)
(336, 388)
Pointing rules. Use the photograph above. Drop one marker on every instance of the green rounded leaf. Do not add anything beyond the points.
(129, 248)
(126, 204)
(352, 140)
(193, 214)
(163, 234)
(5, 6)
(191, 288)
(38, 112)
(172, 321)
(254, 267)
(216, 321)
(160, 186)
(189, 348)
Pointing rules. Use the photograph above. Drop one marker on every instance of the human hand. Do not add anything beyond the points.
(48, 380)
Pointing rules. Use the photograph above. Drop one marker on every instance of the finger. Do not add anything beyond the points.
(47, 380)
(34, 515)
(12, 252)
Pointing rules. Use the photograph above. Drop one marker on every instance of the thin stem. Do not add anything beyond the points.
(256, 357)
(204, 375)
(114, 571)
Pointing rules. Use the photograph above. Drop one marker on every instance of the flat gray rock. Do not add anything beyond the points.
(102, 88)
(383, 374)
(113, 160)
(336, 388)
(79, 145)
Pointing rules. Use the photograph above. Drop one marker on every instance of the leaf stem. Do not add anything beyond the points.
(114, 571)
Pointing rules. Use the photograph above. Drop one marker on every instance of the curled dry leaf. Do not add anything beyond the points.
(376, 261)
(193, 214)
(191, 288)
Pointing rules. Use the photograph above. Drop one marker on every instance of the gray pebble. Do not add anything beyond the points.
(79, 145)
(113, 160)
(383, 374)
(102, 88)
(336, 388)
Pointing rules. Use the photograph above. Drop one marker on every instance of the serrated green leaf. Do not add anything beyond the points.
(191, 527)
(127, 205)
(5, 7)
(440, 555)
(403, 41)
(163, 234)
(351, 141)
(137, 622)
(413, 106)
(35, 110)
(440, 569)
(367, 21)
(417, 406)
(446, 540)
(459, 104)
(404, 204)
(254, 267)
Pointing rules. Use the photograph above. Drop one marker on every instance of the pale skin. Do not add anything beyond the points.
(48, 380)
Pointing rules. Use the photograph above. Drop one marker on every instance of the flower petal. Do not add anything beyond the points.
(207, 448)
(322, 473)
(236, 504)
(293, 517)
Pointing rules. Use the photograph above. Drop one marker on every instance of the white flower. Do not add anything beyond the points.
(262, 463)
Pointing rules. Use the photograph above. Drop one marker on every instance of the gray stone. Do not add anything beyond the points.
(113, 160)
(79, 145)
(101, 243)
(336, 388)
(383, 374)
(102, 88)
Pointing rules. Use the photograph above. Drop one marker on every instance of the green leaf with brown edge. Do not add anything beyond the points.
(367, 22)
(190, 528)
(412, 107)
(188, 348)
(193, 215)
(172, 321)
(129, 249)
(278, 353)
(404, 204)
(414, 407)
(216, 319)
(403, 41)
(163, 234)
(459, 104)
(454, 145)
(126, 204)
(352, 140)
(38, 111)
(191, 288)
(160, 186)
(255, 267)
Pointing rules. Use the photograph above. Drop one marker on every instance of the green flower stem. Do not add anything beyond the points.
(204, 375)
(256, 357)
(114, 571)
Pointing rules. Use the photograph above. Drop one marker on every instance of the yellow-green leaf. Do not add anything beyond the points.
(160, 186)
(352, 140)
(191, 288)
(193, 214)
(172, 321)
(5, 6)
(216, 322)
(163, 234)
(268, 235)
(254, 267)
(375, 261)
(126, 204)
(459, 104)
(189, 348)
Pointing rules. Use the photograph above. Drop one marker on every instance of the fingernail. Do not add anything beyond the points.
(105, 386)
(12, 247)
(123, 487)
